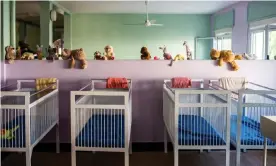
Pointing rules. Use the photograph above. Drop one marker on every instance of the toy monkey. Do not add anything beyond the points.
(145, 55)
(98, 56)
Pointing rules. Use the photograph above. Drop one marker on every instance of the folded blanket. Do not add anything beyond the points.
(181, 82)
(117, 83)
(233, 84)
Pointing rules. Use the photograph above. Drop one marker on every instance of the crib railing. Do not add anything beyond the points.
(26, 117)
(199, 106)
(101, 120)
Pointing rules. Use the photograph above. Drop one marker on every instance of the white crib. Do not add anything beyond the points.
(32, 114)
(247, 107)
(101, 119)
(196, 119)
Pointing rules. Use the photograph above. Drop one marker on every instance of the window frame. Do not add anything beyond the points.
(222, 34)
(266, 26)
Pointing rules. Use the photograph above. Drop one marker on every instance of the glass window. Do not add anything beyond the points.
(257, 43)
(224, 43)
(272, 44)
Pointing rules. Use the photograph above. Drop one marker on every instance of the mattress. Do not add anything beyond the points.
(195, 130)
(250, 131)
(102, 131)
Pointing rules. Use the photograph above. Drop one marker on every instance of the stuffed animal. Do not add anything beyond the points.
(10, 54)
(8, 133)
(18, 53)
(179, 57)
(27, 56)
(166, 55)
(145, 55)
(79, 55)
(226, 56)
(52, 53)
(25, 47)
(66, 53)
(39, 52)
(188, 51)
(98, 56)
(249, 56)
(109, 53)
(156, 58)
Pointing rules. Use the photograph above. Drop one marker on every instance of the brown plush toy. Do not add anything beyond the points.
(226, 56)
(78, 54)
(66, 53)
(10, 54)
(145, 54)
(98, 56)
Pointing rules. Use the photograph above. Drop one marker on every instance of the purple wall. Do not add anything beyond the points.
(240, 29)
(147, 85)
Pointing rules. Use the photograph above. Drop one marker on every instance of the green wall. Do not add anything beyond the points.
(224, 20)
(94, 31)
(261, 10)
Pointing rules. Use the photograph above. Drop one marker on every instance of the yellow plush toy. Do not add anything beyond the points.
(226, 56)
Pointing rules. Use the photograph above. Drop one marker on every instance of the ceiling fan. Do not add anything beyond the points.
(148, 22)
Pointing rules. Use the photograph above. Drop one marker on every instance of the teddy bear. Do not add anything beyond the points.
(10, 54)
(78, 54)
(27, 56)
(98, 56)
(145, 54)
(226, 56)
(66, 54)
(109, 53)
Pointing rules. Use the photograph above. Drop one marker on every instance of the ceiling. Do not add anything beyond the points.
(29, 12)
(158, 7)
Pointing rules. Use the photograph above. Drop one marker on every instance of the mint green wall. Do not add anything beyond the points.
(224, 20)
(94, 31)
(6, 31)
(261, 10)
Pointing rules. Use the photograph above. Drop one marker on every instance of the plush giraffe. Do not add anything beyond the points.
(188, 51)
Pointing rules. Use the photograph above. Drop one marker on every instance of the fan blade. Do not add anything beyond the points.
(157, 25)
(152, 21)
(136, 24)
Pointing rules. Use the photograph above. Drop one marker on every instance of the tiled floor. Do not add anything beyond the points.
(251, 158)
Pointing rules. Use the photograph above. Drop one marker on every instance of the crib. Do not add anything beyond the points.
(27, 115)
(101, 119)
(196, 119)
(247, 107)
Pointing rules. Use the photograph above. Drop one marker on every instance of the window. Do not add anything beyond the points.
(257, 47)
(224, 39)
(262, 39)
(272, 43)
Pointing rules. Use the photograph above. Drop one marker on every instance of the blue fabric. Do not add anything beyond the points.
(195, 130)
(19, 135)
(250, 131)
(103, 131)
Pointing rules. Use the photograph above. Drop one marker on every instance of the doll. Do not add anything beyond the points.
(166, 55)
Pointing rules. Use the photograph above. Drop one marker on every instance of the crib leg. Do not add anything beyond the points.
(165, 140)
(73, 158)
(57, 139)
(29, 157)
(126, 158)
(227, 157)
(130, 147)
(176, 152)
